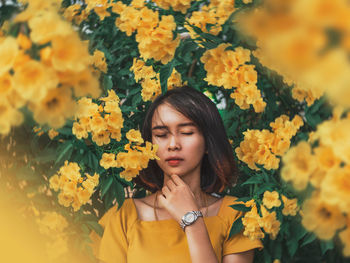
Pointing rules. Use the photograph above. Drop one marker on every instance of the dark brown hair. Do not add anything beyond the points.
(218, 168)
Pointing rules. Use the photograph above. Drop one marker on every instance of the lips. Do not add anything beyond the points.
(173, 161)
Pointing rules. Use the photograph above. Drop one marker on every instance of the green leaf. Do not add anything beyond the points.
(164, 74)
(256, 179)
(240, 207)
(310, 237)
(106, 185)
(237, 226)
(326, 245)
(65, 153)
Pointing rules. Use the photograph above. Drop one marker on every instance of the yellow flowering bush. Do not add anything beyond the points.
(263, 147)
(213, 15)
(135, 159)
(228, 68)
(74, 189)
(104, 122)
(149, 80)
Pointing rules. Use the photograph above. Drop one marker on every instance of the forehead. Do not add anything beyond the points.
(166, 115)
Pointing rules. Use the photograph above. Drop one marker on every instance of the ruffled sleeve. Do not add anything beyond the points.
(113, 245)
(237, 243)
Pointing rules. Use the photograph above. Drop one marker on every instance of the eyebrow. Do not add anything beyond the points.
(164, 127)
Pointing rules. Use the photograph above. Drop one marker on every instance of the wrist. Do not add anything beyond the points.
(189, 218)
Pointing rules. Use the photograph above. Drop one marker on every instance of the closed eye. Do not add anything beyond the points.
(187, 133)
(160, 135)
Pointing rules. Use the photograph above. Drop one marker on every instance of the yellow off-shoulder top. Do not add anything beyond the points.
(126, 239)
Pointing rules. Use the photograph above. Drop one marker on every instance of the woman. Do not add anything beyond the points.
(183, 220)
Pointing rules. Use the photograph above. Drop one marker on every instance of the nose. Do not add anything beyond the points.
(174, 143)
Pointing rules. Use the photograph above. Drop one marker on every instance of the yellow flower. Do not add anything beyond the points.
(114, 121)
(71, 171)
(64, 199)
(129, 20)
(69, 188)
(150, 89)
(83, 195)
(52, 133)
(33, 80)
(108, 160)
(129, 174)
(177, 5)
(101, 138)
(271, 199)
(99, 60)
(9, 116)
(55, 182)
(269, 222)
(321, 218)
(112, 106)
(134, 136)
(112, 96)
(23, 41)
(138, 3)
(79, 131)
(251, 225)
(299, 164)
(55, 107)
(6, 84)
(47, 25)
(97, 124)
(86, 83)
(101, 12)
(69, 53)
(335, 188)
(86, 108)
(174, 80)
(290, 206)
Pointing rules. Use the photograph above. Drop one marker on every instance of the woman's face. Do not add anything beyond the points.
(181, 144)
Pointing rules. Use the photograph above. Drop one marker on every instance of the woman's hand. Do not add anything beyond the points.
(177, 198)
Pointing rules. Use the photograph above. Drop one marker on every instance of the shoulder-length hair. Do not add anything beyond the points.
(218, 168)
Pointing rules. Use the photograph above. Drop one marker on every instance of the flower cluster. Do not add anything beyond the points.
(46, 85)
(154, 36)
(135, 159)
(301, 52)
(254, 223)
(324, 162)
(176, 5)
(103, 121)
(263, 146)
(228, 68)
(211, 17)
(75, 190)
(75, 13)
(149, 80)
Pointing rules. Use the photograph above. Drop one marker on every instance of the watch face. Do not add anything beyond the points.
(190, 217)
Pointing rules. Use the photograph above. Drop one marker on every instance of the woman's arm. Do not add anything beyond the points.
(200, 247)
(244, 257)
(178, 199)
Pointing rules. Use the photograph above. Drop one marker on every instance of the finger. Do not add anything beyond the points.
(171, 184)
(165, 191)
(177, 180)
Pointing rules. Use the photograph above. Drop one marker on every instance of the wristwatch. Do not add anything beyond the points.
(189, 218)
